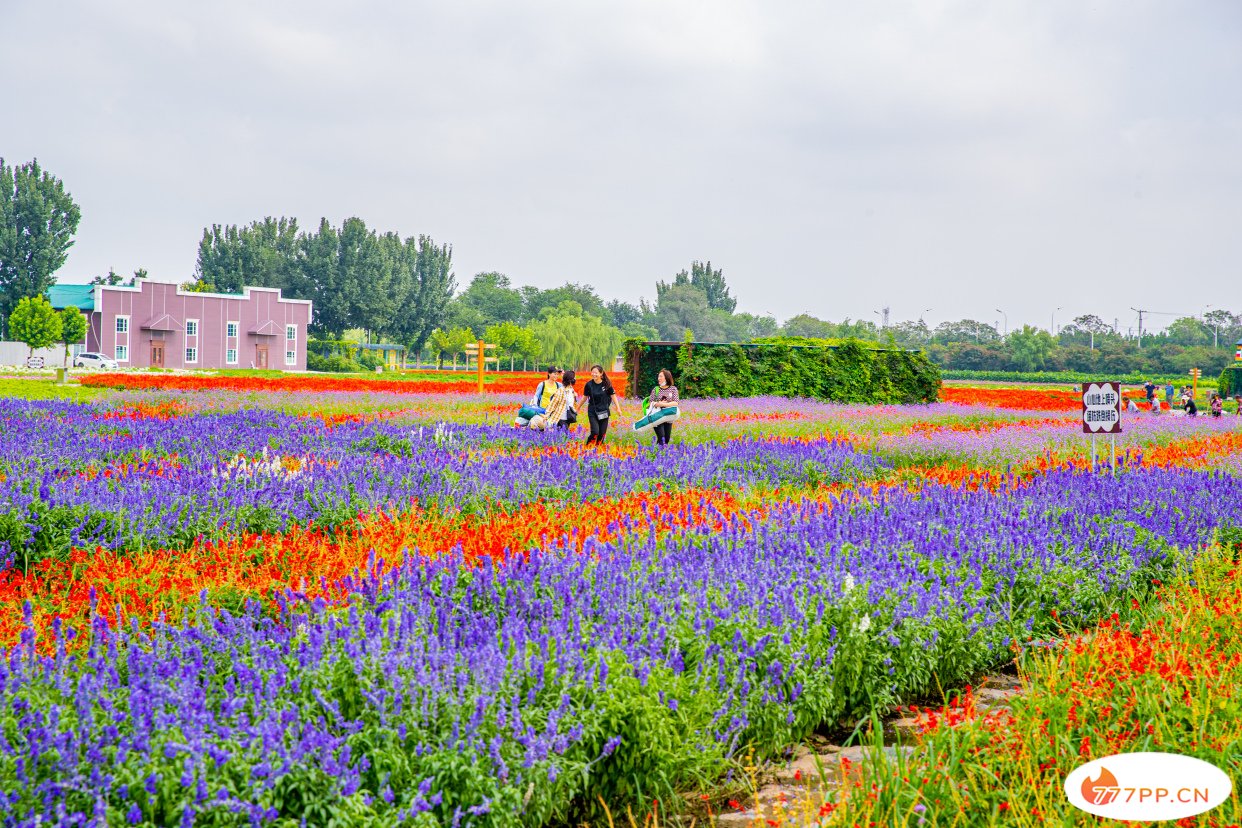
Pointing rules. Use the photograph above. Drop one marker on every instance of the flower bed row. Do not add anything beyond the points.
(523, 692)
(508, 383)
(1164, 680)
(72, 481)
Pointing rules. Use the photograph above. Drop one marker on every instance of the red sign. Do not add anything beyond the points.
(1101, 407)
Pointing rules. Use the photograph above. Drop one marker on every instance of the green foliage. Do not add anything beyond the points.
(850, 371)
(38, 218)
(536, 301)
(450, 342)
(494, 298)
(72, 328)
(1030, 347)
(356, 278)
(34, 322)
(570, 337)
(1230, 382)
(709, 282)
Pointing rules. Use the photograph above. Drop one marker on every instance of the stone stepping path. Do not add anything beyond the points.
(793, 792)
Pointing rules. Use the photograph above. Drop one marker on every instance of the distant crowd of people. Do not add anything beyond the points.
(1185, 400)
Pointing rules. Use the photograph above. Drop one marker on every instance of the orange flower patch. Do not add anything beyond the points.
(1033, 399)
(508, 383)
(145, 585)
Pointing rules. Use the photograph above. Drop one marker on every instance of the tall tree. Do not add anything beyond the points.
(38, 218)
(623, 313)
(1029, 348)
(965, 330)
(332, 293)
(72, 329)
(435, 286)
(536, 300)
(496, 300)
(572, 338)
(362, 262)
(35, 323)
(711, 282)
(262, 254)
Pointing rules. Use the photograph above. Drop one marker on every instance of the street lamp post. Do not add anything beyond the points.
(1002, 313)
(1054, 321)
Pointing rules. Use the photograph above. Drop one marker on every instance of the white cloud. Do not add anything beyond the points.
(832, 157)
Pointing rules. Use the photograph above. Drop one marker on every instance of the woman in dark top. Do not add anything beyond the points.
(664, 395)
(599, 398)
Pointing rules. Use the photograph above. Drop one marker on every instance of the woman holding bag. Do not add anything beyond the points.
(664, 395)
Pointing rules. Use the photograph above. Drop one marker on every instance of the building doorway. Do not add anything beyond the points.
(260, 356)
(157, 354)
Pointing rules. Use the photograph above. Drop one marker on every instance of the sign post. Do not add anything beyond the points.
(479, 350)
(1101, 414)
(1195, 373)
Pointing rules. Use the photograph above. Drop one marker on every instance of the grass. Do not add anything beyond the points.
(43, 388)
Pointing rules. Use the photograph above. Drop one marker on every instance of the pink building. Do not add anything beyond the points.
(158, 324)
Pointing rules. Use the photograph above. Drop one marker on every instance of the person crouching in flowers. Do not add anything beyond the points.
(664, 395)
(558, 408)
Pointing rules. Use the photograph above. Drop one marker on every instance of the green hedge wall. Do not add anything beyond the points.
(1230, 381)
(849, 372)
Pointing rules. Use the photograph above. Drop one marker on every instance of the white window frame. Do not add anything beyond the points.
(291, 357)
(231, 329)
(230, 356)
(291, 334)
(191, 355)
(121, 328)
(120, 353)
(188, 332)
(291, 345)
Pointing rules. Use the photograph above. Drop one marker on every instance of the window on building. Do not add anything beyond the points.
(122, 324)
(291, 357)
(231, 331)
(191, 327)
(230, 356)
(191, 355)
(122, 353)
(291, 333)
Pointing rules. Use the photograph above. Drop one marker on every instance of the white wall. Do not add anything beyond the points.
(15, 353)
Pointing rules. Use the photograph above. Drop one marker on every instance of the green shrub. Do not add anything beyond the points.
(1230, 381)
(336, 363)
(849, 371)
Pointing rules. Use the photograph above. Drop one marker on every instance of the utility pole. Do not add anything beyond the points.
(1002, 313)
(1140, 327)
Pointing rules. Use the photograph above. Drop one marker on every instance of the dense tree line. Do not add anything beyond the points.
(1088, 344)
(387, 286)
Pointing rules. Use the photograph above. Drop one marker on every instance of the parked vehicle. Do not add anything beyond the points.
(87, 359)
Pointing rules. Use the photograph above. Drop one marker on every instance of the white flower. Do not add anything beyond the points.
(849, 584)
(863, 624)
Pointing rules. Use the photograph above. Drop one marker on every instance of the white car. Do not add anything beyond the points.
(87, 359)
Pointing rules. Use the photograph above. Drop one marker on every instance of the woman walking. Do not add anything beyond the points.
(664, 395)
(599, 398)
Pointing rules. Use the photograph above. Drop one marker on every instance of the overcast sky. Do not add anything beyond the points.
(831, 157)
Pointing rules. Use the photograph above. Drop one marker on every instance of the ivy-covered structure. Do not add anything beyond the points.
(846, 371)
(1231, 378)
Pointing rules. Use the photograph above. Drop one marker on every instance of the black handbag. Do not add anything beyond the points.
(571, 416)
